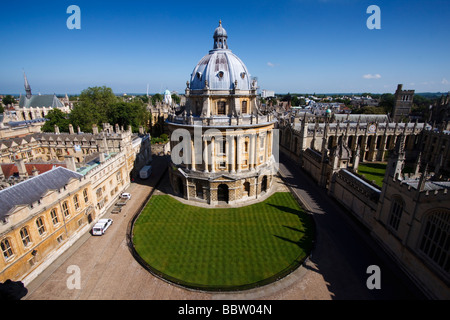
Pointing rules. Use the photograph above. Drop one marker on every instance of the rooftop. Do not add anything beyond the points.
(32, 190)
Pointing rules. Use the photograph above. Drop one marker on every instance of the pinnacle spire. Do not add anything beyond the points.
(27, 86)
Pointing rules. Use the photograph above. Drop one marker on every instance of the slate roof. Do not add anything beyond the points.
(40, 101)
(33, 189)
(429, 185)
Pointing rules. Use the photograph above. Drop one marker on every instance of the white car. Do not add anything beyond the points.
(101, 226)
(125, 196)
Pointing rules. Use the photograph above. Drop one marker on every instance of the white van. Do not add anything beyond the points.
(101, 226)
(145, 172)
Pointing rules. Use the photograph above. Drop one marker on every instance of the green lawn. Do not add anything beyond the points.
(373, 171)
(223, 248)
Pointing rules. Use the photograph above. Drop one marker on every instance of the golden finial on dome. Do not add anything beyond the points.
(220, 22)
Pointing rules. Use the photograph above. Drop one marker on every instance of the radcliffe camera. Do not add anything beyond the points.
(193, 153)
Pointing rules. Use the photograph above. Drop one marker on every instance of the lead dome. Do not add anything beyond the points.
(220, 69)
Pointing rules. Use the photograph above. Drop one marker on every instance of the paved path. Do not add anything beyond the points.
(336, 269)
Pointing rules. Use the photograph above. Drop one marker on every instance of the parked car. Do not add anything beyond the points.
(125, 195)
(101, 226)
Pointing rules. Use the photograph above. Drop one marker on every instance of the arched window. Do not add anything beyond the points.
(40, 225)
(25, 236)
(435, 240)
(6, 249)
(54, 216)
(75, 202)
(85, 195)
(65, 207)
(395, 213)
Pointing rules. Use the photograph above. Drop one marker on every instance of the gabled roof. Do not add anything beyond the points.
(40, 101)
(33, 189)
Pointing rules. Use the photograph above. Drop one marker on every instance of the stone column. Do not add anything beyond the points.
(256, 155)
(239, 151)
(205, 155)
(251, 152)
(232, 155)
(213, 156)
(192, 155)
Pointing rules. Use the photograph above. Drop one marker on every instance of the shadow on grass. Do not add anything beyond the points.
(287, 209)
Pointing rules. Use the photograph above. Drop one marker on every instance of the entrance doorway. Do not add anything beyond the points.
(264, 184)
(223, 193)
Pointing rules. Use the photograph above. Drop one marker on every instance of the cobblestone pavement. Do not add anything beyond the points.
(109, 272)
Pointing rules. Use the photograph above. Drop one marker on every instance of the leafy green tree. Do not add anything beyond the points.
(176, 98)
(156, 98)
(126, 114)
(2, 109)
(92, 107)
(56, 117)
(387, 101)
(9, 99)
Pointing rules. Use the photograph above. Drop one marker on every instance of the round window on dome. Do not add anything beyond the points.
(220, 74)
(242, 75)
(199, 75)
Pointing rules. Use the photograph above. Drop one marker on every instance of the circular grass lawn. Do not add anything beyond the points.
(223, 249)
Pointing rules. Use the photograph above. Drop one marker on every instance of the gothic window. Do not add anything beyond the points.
(435, 239)
(395, 213)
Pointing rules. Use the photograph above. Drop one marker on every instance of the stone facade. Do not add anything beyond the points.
(222, 145)
(409, 216)
(34, 231)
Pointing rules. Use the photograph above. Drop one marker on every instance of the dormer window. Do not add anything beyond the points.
(199, 75)
(242, 75)
(220, 74)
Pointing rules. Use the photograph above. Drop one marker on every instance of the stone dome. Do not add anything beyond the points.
(220, 68)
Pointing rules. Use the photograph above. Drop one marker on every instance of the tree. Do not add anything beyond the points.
(126, 114)
(156, 98)
(176, 98)
(58, 118)
(92, 107)
(9, 99)
(387, 101)
(2, 109)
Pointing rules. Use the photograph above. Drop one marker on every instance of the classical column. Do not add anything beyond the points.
(232, 155)
(238, 152)
(205, 155)
(257, 149)
(251, 152)
(192, 156)
(213, 156)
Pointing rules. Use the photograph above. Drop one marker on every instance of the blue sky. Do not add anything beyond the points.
(305, 46)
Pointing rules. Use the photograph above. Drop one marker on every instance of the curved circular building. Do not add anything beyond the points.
(222, 145)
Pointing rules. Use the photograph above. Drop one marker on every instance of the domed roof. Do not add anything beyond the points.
(220, 68)
(220, 31)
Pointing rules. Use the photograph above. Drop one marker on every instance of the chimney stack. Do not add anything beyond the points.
(70, 163)
(20, 164)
